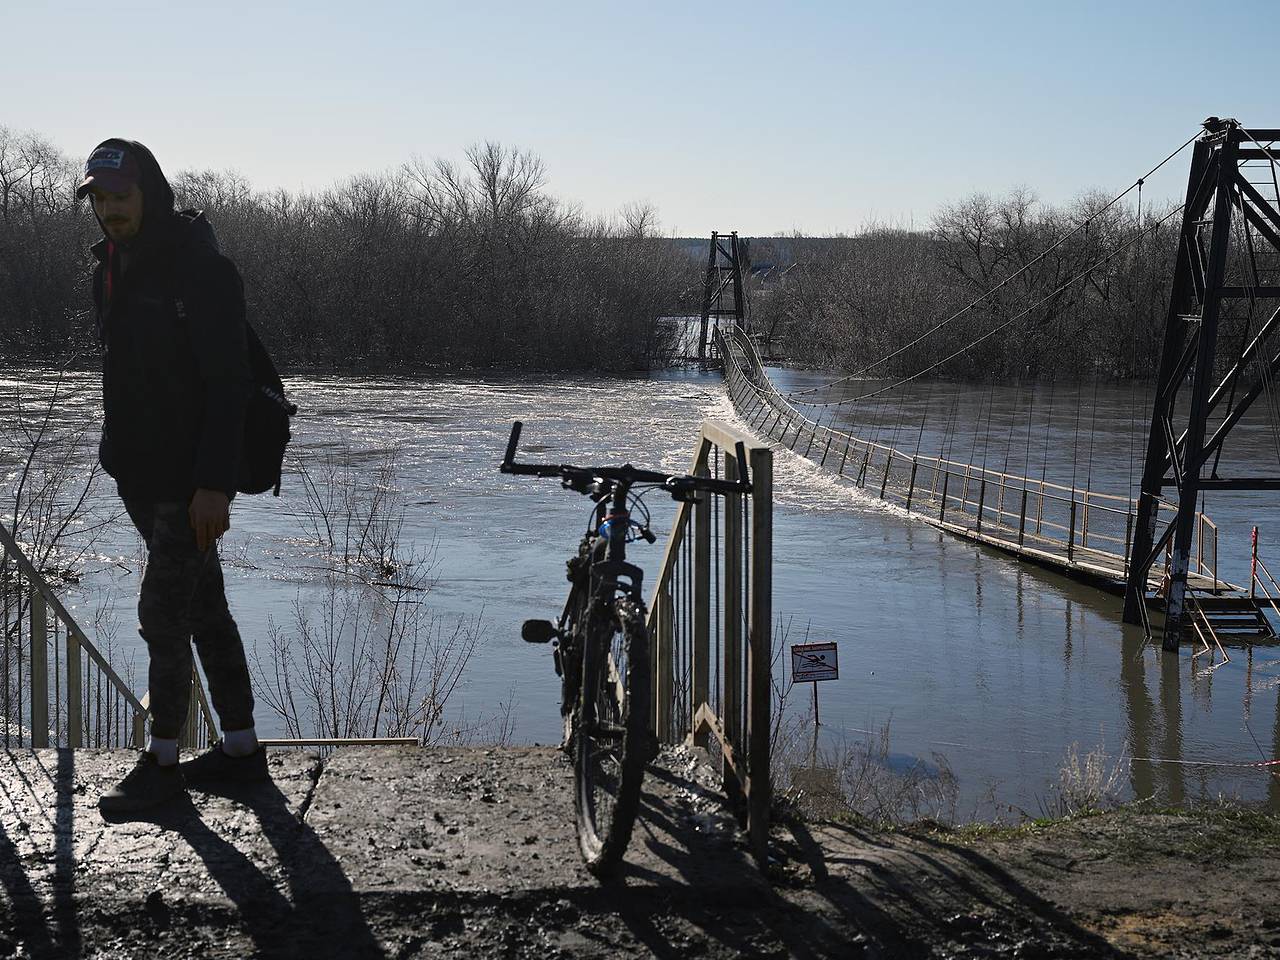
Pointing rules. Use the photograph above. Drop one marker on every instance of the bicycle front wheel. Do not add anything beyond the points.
(613, 734)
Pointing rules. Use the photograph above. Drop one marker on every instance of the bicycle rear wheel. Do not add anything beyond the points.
(613, 735)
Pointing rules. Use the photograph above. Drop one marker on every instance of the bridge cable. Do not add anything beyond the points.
(1026, 454)
(1013, 419)
(1133, 363)
(923, 417)
(1007, 280)
(994, 330)
(1075, 441)
(1093, 430)
(1048, 430)
(991, 409)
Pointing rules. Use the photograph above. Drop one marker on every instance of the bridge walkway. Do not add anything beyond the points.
(1081, 533)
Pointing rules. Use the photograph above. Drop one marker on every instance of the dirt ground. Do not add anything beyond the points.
(403, 853)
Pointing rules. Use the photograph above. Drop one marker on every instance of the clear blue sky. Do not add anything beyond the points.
(760, 117)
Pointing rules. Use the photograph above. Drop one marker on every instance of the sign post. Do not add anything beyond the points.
(812, 663)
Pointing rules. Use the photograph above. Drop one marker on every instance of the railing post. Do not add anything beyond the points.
(760, 653)
(39, 664)
(884, 480)
(862, 471)
(701, 665)
(1071, 532)
(1253, 564)
(942, 508)
(982, 496)
(848, 440)
(1215, 559)
(1022, 518)
(139, 730)
(75, 700)
(664, 679)
(911, 485)
(823, 461)
(1128, 538)
(1084, 526)
(731, 668)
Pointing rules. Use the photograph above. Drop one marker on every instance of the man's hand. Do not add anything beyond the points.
(210, 514)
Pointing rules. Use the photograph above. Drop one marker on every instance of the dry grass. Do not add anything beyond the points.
(1086, 784)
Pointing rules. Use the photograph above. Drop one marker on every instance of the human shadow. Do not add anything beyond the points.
(28, 918)
(313, 913)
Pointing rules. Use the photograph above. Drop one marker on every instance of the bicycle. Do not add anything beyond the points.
(601, 644)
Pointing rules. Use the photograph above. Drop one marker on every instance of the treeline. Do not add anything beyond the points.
(1097, 299)
(431, 264)
(476, 264)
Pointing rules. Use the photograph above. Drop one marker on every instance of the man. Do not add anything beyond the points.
(175, 384)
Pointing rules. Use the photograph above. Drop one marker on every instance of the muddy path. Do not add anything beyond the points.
(470, 853)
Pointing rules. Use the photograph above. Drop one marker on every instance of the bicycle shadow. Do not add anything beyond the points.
(845, 892)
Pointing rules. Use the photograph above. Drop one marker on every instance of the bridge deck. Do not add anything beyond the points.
(1081, 533)
(1102, 568)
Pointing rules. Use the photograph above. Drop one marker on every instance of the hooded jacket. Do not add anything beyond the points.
(171, 324)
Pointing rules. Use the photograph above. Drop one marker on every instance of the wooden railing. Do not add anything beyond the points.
(1088, 530)
(58, 689)
(710, 618)
(1260, 579)
(198, 729)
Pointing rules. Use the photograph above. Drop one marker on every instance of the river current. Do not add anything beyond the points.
(975, 664)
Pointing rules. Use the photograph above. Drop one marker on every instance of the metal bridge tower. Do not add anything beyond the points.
(1222, 276)
(722, 294)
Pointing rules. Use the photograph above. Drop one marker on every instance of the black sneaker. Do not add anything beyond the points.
(215, 766)
(146, 785)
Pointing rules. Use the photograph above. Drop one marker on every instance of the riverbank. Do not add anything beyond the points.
(1131, 882)
(406, 853)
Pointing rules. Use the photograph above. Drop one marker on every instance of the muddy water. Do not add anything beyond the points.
(973, 662)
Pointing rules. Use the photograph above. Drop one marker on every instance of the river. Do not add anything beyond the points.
(975, 664)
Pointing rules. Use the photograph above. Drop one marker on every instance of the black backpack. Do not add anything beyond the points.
(266, 418)
(266, 423)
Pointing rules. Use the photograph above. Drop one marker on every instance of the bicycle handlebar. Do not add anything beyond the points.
(580, 476)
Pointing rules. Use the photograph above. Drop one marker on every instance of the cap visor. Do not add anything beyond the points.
(110, 180)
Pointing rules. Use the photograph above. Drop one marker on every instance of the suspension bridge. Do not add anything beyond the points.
(1158, 548)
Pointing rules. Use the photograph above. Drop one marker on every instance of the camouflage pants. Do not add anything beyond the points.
(182, 597)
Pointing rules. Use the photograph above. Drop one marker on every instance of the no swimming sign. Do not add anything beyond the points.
(811, 662)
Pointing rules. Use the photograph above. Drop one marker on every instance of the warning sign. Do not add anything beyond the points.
(811, 662)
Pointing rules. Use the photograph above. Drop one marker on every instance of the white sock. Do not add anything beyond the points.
(166, 751)
(239, 743)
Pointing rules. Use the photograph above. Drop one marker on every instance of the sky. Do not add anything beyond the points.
(818, 117)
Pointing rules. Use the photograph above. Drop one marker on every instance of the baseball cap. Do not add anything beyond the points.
(111, 168)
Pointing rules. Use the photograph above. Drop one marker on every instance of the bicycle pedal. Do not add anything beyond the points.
(538, 631)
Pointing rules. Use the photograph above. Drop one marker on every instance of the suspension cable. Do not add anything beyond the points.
(1007, 280)
(996, 329)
